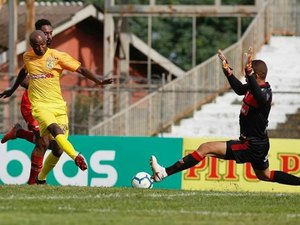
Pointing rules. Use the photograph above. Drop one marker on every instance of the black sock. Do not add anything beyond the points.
(186, 162)
(285, 178)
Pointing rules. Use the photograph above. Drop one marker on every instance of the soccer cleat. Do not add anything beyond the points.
(159, 172)
(79, 161)
(12, 134)
(40, 182)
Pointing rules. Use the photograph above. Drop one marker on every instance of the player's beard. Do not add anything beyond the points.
(49, 42)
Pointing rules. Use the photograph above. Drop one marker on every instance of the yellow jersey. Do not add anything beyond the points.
(44, 76)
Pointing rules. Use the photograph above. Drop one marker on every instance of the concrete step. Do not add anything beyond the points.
(220, 118)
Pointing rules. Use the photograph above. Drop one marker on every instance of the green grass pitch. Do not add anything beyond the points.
(59, 205)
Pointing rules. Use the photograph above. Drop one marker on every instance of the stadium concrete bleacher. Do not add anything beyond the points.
(220, 117)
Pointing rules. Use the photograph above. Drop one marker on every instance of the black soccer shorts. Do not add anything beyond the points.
(250, 150)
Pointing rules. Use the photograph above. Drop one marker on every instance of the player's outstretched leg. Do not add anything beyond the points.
(67, 147)
(36, 166)
(284, 178)
(12, 134)
(159, 172)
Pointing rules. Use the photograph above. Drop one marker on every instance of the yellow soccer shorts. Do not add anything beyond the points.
(47, 115)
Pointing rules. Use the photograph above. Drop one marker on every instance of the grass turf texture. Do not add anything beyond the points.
(127, 206)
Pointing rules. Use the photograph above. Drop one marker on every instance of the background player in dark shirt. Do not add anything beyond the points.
(253, 144)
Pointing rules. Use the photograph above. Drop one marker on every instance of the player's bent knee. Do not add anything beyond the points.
(204, 149)
(263, 177)
(57, 153)
(41, 144)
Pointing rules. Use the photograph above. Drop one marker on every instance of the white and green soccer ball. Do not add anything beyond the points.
(142, 180)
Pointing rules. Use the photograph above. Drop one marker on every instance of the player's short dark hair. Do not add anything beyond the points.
(42, 22)
(260, 68)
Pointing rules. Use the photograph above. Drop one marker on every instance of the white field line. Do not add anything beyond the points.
(98, 196)
(164, 212)
(144, 194)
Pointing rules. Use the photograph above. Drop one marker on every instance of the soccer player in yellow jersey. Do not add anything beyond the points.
(33, 134)
(44, 67)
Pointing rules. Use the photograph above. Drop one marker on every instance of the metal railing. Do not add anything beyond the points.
(179, 98)
(182, 96)
(286, 17)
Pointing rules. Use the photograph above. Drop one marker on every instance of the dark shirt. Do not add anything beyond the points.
(255, 108)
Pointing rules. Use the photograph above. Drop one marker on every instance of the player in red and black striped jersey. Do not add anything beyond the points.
(253, 144)
(256, 103)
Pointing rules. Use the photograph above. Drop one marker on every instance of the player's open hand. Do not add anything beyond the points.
(248, 66)
(107, 81)
(6, 93)
(225, 65)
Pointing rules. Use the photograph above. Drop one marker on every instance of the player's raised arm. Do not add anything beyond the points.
(249, 57)
(20, 78)
(228, 71)
(235, 84)
(91, 76)
(256, 72)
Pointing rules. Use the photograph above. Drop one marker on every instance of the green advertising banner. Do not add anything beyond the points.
(112, 161)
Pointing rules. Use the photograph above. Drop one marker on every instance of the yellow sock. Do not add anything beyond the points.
(49, 164)
(66, 146)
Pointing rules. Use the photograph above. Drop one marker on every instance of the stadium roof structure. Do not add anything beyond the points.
(61, 15)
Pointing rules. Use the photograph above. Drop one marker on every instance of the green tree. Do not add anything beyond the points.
(172, 36)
